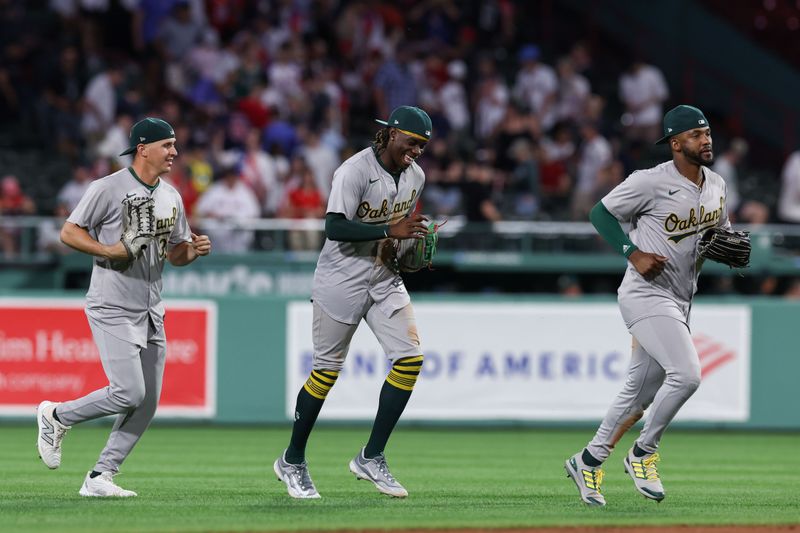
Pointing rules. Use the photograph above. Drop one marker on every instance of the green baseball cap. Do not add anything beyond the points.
(682, 118)
(410, 120)
(148, 130)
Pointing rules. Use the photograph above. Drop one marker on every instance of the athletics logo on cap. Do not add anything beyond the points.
(412, 121)
(148, 130)
(682, 118)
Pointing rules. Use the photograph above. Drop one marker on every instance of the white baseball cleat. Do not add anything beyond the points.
(296, 477)
(377, 471)
(103, 486)
(51, 432)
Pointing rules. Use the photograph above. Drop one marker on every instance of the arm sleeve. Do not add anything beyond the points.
(339, 228)
(609, 228)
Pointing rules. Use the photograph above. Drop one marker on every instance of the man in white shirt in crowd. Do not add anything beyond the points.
(643, 90)
(227, 202)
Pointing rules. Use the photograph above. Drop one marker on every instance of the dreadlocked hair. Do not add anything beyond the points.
(381, 140)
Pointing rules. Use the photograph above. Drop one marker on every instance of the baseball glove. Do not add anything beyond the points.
(725, 246)
(138, 226)
(416, 254)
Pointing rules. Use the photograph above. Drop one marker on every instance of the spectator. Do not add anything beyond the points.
(116, 141)
(573, 92)
(284, 76)
(536, 86)
(260, 172)
(557, 160)
(197, 161)
(59, 109)
(225, 204)
(303, 200)
(72, 191)
(643, 90)
(394, 85)
(178, 33)
(181, 178)
(49, 232)
(477, 193)
(491, 99)
(514, 126)
(100, 103)
(441, 197)
(524, 179)
(744, 210)
(320, 158)
(595, 155)
(13, 203)
(789, 201)
(727, 165)
(454, 98)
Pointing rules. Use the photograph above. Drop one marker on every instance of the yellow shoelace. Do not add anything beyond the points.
(597, 478)
(650, 468)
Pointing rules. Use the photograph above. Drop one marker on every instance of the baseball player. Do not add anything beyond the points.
(123, 304)
(372, 201)
(669, 207)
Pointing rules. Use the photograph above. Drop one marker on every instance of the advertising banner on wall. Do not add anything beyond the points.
(47, 353)
(526, 361)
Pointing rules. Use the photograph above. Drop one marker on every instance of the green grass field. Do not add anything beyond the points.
(220, 479)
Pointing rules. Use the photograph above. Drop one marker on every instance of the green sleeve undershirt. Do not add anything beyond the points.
(609, 228)
(339, 228)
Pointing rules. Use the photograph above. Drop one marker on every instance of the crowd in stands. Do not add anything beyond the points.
(268, 97)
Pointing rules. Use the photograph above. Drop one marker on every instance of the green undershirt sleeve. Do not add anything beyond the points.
(338, 228)
(609, 228)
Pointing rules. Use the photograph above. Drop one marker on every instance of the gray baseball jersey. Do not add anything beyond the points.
(348, 274)
(120, 303)
(668, 214)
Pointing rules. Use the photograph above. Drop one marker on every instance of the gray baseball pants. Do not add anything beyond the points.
(664, 372)
(134, 387)
(396, 334)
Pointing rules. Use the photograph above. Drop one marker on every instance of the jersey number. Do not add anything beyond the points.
(162, 247)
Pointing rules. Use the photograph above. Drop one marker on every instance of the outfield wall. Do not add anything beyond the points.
(488, 360)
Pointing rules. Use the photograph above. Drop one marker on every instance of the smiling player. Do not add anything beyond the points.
(373, 198)
(123, 305)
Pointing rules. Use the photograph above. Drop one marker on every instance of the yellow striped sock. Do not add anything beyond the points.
(404, 372)
(320, 382)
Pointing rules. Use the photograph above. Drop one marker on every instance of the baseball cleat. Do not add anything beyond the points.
(377, 471)
(644, 472)
(103, 486)
(587, 478)
(297, 479)
(51, 432)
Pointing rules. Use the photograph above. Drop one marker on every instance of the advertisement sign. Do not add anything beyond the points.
(47, 353)
(527, 361)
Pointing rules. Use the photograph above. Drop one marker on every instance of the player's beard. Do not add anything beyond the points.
(699, 158)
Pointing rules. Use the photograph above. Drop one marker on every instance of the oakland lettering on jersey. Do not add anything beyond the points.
(365, 209)
(690, 225)
(167, 223)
